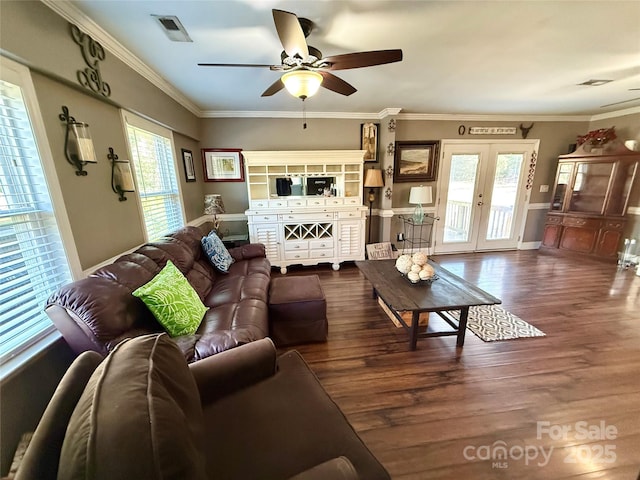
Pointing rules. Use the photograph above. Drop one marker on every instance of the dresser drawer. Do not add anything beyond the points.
(315, 202)
(322, 253)
(321, 243)
(307, 217)
(296, 255)
(264, 218)
(349, 214)
(296, 245)
(581, 222)
(613, 225)
(352, 201)
(300, 202)
(553, 220)
(259, 204)
(334, 201)
(277, 203)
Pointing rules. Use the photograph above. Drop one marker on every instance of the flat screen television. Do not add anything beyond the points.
(316, 185)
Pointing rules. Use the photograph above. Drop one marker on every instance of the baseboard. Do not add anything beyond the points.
(529, 245)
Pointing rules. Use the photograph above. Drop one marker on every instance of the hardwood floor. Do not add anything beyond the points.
(440, 412)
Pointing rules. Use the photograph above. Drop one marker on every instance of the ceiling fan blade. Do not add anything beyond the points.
(250, 65)
(335, 84)
(362, 59)
(290, 33)
(273, 89)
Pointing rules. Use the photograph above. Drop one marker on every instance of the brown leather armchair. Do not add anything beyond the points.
(143, 413)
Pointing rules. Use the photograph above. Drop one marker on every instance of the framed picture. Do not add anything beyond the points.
(222, 165)
(416, 161)
(369, 141)
(189, 170)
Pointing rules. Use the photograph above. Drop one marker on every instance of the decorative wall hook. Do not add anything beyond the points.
(392, 125)
(388, 193)
(121, 178)
(532, 169)
(78, 146)
(525, 130)
(389, 171)
(391, 148)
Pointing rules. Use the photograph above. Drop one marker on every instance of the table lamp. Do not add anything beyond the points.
(418, 196)
(213, 205)
(372, 179)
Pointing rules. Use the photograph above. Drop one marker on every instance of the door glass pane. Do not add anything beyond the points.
(590, 187)
(564, 175)
(504, 195)
(462, 181)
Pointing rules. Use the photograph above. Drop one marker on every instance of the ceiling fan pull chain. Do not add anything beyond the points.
(304, 116)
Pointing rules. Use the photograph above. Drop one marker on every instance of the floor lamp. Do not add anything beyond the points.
(373, 179)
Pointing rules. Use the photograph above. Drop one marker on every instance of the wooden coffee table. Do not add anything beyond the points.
(449, 292)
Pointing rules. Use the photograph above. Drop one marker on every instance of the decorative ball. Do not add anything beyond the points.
(416, 268)
(403, 264)
(414, 277)
(419, 258)
(427, 272)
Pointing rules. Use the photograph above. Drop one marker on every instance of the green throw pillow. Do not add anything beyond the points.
(173, 301)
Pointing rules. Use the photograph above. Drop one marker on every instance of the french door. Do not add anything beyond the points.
(482, 195)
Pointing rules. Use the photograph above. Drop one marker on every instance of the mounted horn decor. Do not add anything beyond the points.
(121, 178)
(78, 146)
(525, 130)
(92, 52)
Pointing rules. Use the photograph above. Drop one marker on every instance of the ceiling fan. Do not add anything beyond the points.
(305, 68)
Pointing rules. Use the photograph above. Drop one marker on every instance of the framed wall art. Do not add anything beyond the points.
(416, 161)
(189, 169)
(369, 141)
(222, 165)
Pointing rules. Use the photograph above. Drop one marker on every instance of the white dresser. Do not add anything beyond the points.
(306, 229)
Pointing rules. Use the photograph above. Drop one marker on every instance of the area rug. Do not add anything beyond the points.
(492, 323)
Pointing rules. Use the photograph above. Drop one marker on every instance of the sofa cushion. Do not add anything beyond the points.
(173, 301)
(218, 254)
(139, 417)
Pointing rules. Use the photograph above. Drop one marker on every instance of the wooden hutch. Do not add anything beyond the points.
(590, 200)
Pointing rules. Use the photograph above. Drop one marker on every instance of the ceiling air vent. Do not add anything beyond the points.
(173, 28)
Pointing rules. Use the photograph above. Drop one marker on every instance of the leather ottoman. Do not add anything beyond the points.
(297, 310)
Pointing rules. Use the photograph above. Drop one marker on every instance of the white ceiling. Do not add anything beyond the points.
(460, 57)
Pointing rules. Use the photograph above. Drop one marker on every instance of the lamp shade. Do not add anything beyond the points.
(213, 204)
(373, 178)
(420, 195)
(302, 83)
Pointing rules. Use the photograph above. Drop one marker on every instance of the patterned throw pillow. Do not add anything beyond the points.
(218, 254)
(173, 301)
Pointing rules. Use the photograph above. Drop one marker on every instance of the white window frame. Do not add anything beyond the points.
(134, 120)
(20, 75)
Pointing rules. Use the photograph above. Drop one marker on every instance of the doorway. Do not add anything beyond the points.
(482, 195)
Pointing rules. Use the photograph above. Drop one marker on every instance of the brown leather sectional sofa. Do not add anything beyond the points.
(98, 312)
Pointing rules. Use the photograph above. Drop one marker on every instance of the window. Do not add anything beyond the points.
(33, 261)
(157, 181)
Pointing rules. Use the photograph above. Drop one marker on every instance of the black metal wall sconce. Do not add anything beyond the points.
(78, 146)
(121, 178)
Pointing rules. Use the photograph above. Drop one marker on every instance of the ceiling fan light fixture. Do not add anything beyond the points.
(302, 83)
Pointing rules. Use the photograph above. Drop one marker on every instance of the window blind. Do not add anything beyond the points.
(156, 177)
(33, 263)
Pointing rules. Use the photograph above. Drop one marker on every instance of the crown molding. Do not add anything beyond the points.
(617, 113)
(494, 118)
(285, 114)
(72, 14)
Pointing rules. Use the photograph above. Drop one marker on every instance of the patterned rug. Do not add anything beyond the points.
(492, 322)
